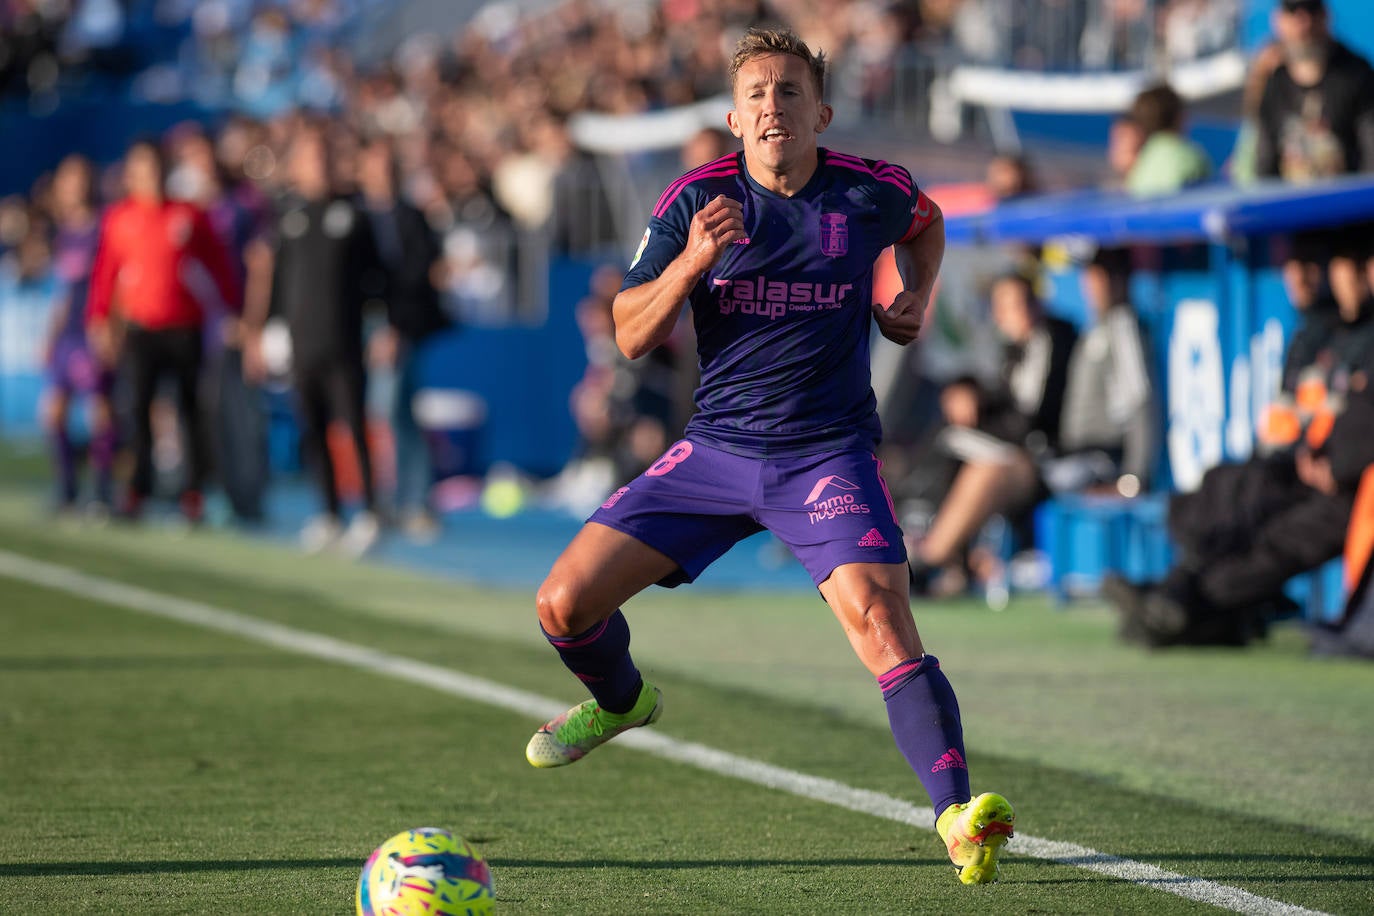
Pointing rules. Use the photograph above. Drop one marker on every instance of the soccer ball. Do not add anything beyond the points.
(426, 871)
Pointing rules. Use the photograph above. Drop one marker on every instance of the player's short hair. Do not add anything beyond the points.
(763, 42)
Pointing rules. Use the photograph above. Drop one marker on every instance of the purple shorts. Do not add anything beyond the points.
(696, 502)
(73, 369)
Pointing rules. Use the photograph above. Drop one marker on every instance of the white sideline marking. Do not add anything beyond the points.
(453, 682)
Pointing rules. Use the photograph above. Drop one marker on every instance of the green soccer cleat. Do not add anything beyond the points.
(573, 735)
(974, 833)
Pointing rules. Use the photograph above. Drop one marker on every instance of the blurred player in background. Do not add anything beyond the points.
(774, 249)
(325, 270)
(233, 400)
(409, 250)
(159, 270)
(73, 370)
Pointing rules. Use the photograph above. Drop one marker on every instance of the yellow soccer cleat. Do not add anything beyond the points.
(587, 726)
(974, 833)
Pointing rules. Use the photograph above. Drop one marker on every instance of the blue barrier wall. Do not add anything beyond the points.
(524, 375)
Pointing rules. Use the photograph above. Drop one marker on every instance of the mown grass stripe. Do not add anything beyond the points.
(456, 683)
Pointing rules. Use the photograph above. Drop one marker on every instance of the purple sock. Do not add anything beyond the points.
(65, 457)
(102, 461)
(924, 716)
(600, 657)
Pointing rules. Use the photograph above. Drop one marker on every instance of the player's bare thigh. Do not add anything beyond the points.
(872, 604)
(596, 573)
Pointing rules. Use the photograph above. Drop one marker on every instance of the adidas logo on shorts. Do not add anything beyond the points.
(874, 538)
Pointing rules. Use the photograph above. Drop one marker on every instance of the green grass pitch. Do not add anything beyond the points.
(154, 767)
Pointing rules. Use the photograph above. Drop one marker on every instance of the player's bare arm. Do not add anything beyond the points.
(645, 315)
(918, 262)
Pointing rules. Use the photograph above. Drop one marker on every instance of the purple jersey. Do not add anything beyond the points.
(783, 319)
(73, 256)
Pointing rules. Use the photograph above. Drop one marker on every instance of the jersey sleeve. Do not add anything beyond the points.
(663, 240)
(903, 207)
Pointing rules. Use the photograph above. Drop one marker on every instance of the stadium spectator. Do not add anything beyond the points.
(74, 372)
(998, 433)
(159, 270)
(1105, 439)
(478, 239)
(1118, 34)
(1250, 527)
(1242, 166)
(1108, 433)
(597, 402)
(706, 145)
(1245, 532)
(1192, 29)
(1316, 116)
(410, 254)
(1010, 177)
(1124, 140)
(1167, 161)
(234, 402)
(625, 411)
(326, 270)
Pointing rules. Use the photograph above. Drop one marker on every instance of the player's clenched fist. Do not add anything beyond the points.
(901, 321)
(715, 227)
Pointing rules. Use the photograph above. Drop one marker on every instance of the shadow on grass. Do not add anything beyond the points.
(173, 866)
(264, 662)
(166, 866)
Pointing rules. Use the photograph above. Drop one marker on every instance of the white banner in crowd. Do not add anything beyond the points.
(653, 130)
(1022, 90)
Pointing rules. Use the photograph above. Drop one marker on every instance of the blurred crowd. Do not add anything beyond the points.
(363, 208)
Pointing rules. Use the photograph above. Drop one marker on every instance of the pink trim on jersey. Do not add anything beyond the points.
(887, 172)
(716, 168)
(878, 168)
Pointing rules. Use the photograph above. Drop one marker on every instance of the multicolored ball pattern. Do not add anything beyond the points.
(425, 872)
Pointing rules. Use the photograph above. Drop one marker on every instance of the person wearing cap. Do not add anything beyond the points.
(1316, 117)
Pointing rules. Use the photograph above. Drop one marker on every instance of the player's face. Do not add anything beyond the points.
(778, 113)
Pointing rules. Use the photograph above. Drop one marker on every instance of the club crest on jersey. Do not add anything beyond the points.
(834, 234)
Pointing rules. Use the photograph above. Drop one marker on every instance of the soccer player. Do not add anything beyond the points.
(73, 370)
(774, 249)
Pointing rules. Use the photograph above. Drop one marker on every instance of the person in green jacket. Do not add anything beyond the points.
(1168, 161)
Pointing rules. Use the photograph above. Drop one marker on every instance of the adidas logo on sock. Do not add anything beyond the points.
(949, 760)
(874, 538)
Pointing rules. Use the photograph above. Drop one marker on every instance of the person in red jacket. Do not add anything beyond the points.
(158, 268)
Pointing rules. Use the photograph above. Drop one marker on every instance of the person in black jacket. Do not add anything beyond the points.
(410, 252)
(1250, 527)
(326, 272)
(1251, 533)
(1316, 116)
